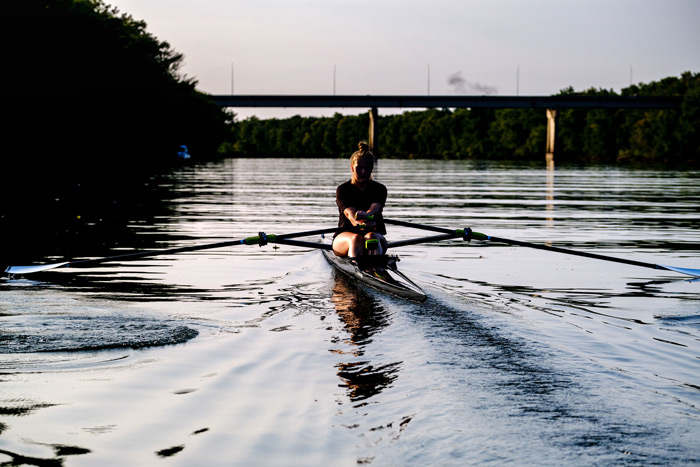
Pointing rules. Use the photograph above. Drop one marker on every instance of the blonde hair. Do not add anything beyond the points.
(362, 152)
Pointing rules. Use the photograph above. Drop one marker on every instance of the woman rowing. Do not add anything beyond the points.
(358, 199)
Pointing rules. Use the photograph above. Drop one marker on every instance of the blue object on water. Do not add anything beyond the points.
(183, 153)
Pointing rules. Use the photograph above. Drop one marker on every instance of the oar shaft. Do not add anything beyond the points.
(416, 241)
(308, 233)
(170, 251)
(303, 244)
(260, 239)
(467, 234)
(478, 236)
(419, 226)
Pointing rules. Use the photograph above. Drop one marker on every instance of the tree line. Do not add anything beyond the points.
(91, 90)
(595, 135)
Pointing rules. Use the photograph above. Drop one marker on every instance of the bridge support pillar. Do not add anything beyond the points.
(373, 114)
(551, 135)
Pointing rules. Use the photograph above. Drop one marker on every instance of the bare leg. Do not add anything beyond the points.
(348, 244)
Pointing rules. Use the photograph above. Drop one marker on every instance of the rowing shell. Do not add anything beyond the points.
(377, 271)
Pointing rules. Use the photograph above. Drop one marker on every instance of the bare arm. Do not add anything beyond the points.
(375, 208)
(356, 217)
(351, 214)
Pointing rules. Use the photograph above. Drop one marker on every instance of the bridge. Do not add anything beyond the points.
(551, 104)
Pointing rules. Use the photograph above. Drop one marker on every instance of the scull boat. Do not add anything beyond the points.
(377, 271)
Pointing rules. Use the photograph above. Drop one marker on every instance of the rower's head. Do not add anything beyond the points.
(362, 163)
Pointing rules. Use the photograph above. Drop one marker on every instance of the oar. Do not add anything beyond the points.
(690, 272)
(468, 234)
(260, 239)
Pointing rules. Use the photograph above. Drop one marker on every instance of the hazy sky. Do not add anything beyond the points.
(500, 47)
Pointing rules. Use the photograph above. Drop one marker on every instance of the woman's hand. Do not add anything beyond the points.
(361, 220)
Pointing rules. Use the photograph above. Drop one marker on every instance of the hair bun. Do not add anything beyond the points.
(362, 153)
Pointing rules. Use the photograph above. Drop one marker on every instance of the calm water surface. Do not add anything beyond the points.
(263, 356)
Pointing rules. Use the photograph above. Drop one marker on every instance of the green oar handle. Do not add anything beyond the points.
(261, 239)
(469, 234)
(369, 217)
(372, 244)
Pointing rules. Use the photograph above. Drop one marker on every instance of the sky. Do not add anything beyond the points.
(436, 47)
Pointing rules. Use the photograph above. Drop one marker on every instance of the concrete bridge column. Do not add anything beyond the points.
(373, 115)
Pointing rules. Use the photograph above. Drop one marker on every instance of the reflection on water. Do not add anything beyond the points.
(363, 317)
(59, 450)
(550, 194)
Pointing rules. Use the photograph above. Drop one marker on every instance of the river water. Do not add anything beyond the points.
(253, 355)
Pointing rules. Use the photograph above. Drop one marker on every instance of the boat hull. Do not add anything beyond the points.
(378, 272)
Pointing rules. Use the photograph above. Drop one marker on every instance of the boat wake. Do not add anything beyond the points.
(58, 322)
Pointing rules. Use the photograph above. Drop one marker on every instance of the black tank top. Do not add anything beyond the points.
(349, 195)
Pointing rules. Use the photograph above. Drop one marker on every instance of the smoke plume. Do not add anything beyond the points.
(462, 86)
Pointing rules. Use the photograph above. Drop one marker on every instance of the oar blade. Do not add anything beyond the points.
(687, 271)
(31, 269)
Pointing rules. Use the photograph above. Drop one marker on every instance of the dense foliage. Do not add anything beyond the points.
(90, 86)
(598, 135)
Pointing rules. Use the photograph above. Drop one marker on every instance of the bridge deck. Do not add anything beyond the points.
(513, 102)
